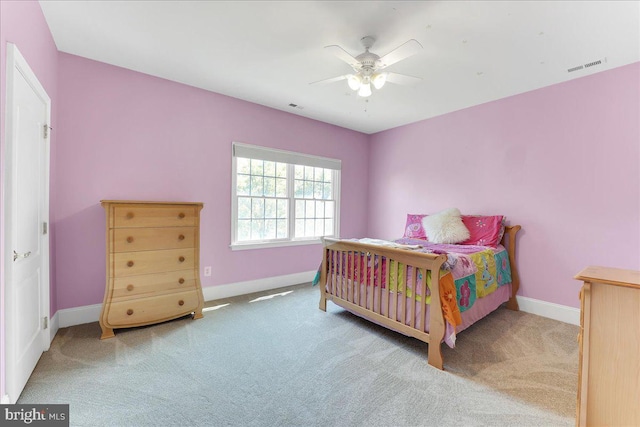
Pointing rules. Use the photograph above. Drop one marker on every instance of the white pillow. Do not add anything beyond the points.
(445, 227)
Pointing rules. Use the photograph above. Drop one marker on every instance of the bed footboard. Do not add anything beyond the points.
(387, 285)
(509, 242)
(374, 281)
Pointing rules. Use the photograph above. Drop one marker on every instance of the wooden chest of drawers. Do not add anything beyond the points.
(152, 263)
(609, 339)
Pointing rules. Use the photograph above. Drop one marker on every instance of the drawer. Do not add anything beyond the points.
(125, 288)
(146, 262)
(153, 309)
(153, 216)
(146, 239)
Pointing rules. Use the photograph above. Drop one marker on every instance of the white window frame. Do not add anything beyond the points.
(291, 158)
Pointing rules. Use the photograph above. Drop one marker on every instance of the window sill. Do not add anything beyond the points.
(247, 246)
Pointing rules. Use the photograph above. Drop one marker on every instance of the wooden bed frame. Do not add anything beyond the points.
(333, 273)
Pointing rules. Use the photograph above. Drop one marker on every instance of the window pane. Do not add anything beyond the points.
(327, 191)
(317, 191)
(281, 187)
(270, 208)
(298, 189)
(299, 172)
(270, 187)
(309, 227)
(300, 208)
(244, 230)
(319, 227)
(269, 168)
(243, 185)
(282, 229)
(257, 186)
(243, 165)
(257, 208)
(281, 170)
(282, 208)
(310, 209)
(299, 228)
(328, 176)
(257, 167)
(328, 227)
(320, 210)
(308, 189)
(270, 229)
(244, 207)
(257, 229)
(308, 173)
(329, 209)
(318, 174)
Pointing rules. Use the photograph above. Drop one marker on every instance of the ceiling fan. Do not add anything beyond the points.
(367, 66)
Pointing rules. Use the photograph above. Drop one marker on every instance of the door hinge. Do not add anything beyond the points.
(45, 322)
(46, 129)
(45, 228)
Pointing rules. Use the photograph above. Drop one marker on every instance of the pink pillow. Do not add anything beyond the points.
(484, 230)
(413, 229)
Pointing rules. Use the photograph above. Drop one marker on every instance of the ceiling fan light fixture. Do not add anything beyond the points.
(365, 90)
(354, 81)
(379, 80)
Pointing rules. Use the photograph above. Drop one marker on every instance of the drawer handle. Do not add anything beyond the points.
(130, 215)
(181, 281)
(130, 264)
(129, 239)
(129, 312)
(181, 302)
(181, 215)
(130, 288)
(181, 237)
(181, 259)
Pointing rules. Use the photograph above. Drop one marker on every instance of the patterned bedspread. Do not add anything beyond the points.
(477, 270)
(470, 272)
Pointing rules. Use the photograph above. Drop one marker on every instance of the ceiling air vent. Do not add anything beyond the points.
(580, 67)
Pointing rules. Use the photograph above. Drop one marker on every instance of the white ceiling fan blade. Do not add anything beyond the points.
(401, 52)
(331, 80)
(344, 55)
(402, 79)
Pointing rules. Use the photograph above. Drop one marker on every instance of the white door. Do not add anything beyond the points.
(26, 166)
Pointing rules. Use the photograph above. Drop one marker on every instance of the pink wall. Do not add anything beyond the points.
(127, 135)
(22, 23)
(562, 161)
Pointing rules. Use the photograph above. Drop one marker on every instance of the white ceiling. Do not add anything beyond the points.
(267, 52)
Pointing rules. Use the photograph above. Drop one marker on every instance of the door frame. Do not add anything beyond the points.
(17, 64)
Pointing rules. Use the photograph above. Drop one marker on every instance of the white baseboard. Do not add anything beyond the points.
(79, 315)
(243, 288)
(91, 313)
(551, 310)
(54, 325)
(5, 400)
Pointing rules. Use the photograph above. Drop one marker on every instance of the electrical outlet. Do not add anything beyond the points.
(207, 271)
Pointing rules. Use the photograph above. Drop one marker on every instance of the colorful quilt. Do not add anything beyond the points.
(470, 272)
(477, 270)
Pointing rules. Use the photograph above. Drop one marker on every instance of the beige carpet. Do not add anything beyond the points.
(279, 361)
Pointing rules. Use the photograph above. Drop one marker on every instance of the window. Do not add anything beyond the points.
(282, 198)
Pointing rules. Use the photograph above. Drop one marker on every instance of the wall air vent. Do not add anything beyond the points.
(587, 65)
